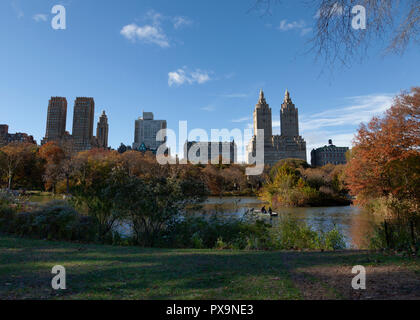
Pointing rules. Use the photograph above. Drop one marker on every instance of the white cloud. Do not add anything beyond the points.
(235, 95)
(243, 119)
(361, 109)
(286, 26)
(183, 76)
(294, 25)
(305, 31)
(154, 17)
(209, 108)
(147, 34)
(180, 22)
(152, 31)
(340, 124)
(18, 10)
(40, 17)
(200, 76)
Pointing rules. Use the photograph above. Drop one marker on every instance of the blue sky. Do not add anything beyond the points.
(200, 61)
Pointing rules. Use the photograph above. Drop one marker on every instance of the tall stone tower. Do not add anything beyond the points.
(287, 145)
(83, 117)
(56, 119)
(102, 131)
(263, 120)
(289, 117)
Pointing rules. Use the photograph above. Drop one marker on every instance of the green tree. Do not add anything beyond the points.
(151, 204)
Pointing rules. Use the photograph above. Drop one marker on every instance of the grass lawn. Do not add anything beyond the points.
(108, 272)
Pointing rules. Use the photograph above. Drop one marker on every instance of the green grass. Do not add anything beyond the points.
(108, 272)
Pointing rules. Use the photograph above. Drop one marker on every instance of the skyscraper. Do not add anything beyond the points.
(289, 117)
(287, 145)
(146, 129)
(263, 119)
(83, 118)
(56, 119)
(102, 131)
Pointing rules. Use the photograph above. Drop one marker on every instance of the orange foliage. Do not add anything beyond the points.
(386, 155)
(51, 152)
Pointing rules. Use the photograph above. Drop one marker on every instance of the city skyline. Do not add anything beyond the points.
(195, 68)
(276, 147)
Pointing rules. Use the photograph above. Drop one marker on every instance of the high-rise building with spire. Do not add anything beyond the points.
(102, 131)
(289, 118)
(287, 145)
(262, 119)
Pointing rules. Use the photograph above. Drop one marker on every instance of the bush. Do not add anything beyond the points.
(220, 245)
(6, 198)
(196, 241)
(294, 234)
(53, 221)
(396, 235)
(400, 229)
(7, 218)
(334, 240)
(231, 233)
(198, 231)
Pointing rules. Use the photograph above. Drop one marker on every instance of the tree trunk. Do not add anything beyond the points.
(387, 235)
(10, 182)
(68, 184)
(413, 237)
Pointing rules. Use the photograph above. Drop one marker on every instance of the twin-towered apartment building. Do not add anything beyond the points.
(289, 144)
(82, 136)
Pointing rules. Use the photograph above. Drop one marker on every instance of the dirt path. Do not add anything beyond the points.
(328, 276)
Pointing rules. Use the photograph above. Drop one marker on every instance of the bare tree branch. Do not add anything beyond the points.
(393, 22)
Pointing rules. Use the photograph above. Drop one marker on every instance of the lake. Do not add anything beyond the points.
(353, 222)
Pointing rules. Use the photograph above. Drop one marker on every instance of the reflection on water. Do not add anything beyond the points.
(353, 222)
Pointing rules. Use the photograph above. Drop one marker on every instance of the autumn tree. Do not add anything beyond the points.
(93, 170)
(385, 159)
(53, 155)
(13, 158)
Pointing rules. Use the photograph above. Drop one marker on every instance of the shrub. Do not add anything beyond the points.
(294, 234)
(396, 235)
(7, 218)
(183, 233)
(400, 229)
(196, 241)
(223, 233)
(334, 240)
(53, 221)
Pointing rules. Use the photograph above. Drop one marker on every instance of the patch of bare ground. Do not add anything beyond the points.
(328, 275)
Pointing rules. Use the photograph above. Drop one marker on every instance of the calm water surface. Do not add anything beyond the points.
(353, 222)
